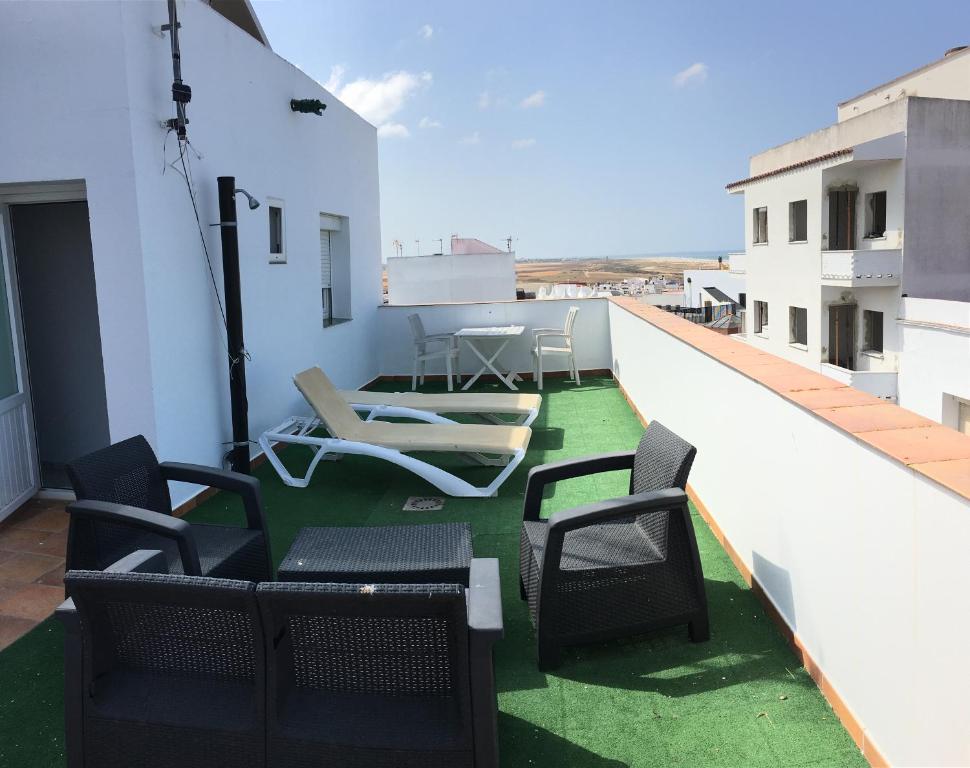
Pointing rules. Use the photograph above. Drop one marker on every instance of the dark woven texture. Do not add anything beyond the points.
(128, 473)
(368, 675)
(439, 552)
(629, 573)
(173, 670)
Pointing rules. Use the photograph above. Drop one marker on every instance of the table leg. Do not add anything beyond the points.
(508, 380)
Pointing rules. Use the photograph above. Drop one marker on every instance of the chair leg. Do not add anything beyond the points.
(575, 369)
(699, 630)
(448, 372)
(522, 593)
(424, 365)
(414, 375)
(539, 368)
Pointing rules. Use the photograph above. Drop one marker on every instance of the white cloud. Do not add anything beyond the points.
(523, 143)
(695, 73)
(426, 31)
(484, 100)
(393, 131)
(378, 100)
(536, 99)
(472, 138)
(428, 122)
(336, 75)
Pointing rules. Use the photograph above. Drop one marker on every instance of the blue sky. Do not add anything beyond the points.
(588, 129)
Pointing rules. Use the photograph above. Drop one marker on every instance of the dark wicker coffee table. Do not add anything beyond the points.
(438, 553)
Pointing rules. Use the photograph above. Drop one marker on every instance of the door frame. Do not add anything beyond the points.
(26, 194)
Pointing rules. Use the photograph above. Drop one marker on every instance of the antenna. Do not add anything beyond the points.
(398, 247)
(508, 243)
(441, 245)
(417, 244)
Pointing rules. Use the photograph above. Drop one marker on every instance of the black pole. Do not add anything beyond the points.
(239, 455)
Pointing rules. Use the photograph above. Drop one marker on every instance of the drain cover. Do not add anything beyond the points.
(424, 504)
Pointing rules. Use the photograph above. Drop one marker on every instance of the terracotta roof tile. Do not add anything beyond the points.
(792, 167)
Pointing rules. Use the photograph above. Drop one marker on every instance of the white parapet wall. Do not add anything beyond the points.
(451, 277)
(862, 556)
(591, 332)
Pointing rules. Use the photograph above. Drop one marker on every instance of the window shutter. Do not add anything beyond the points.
(325, 267)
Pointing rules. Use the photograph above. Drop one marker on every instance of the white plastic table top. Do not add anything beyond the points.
(491, 331)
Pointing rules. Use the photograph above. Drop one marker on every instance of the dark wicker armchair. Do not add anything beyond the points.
(162, 670)
(616, 567)
(124, 505)
(382, 676)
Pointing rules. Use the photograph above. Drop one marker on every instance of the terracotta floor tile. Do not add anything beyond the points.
(23, 568)
(12, 628)
(52, 519)
(869, 418)
(18, 539)
(843, 397)
(954, 475)
(32, 601)
(916, 446)
(54, 577)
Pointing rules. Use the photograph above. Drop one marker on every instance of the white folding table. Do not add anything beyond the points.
(503, 334)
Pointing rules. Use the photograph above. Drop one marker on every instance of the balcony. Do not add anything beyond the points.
(808, 496)
(862, 268)
(882, 384)
(737, 263)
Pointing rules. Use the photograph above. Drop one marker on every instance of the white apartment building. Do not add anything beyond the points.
(857, 258)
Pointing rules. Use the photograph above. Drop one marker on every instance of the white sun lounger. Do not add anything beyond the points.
(349, 434)
(376, 405)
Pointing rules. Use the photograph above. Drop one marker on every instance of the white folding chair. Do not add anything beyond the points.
(563, 345)
(435, 346)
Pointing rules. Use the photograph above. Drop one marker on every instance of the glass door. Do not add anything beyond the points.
(18, 462)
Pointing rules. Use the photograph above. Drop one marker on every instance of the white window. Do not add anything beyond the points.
(876, 214)
(798, 325)
(760, 225)
(277, 232)
(798, 221)
(761, 317)
(872, 331)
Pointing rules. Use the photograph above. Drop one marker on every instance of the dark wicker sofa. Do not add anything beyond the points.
(164, 670)
(617, 567)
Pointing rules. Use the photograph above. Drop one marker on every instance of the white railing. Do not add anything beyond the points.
(857, 269)
(737, 262)
(591, 333)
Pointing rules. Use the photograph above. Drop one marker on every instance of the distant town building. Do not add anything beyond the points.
(473, 271)
(857, 237)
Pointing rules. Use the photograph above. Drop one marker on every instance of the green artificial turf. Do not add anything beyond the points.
(738, 700)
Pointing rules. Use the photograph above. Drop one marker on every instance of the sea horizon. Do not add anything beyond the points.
(656, 256)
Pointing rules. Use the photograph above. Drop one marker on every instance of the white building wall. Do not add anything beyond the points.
(782, 273)
(451, 278)
(850, 545)
(934, 367)
(64, 88)
(591, 332)
(732, 284)
(164, 345)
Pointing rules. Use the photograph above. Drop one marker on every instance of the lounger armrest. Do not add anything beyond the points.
(541, 476)
(485, 628)
(485, 599)
(144, 520)
(600, 511)
(141, 561)
(245, 486)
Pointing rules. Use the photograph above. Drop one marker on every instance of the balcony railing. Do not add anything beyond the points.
(737, 262)
(882, 384)
(857, 269)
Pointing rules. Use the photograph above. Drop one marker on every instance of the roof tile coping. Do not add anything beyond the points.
(792, 167)
(938, 453)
